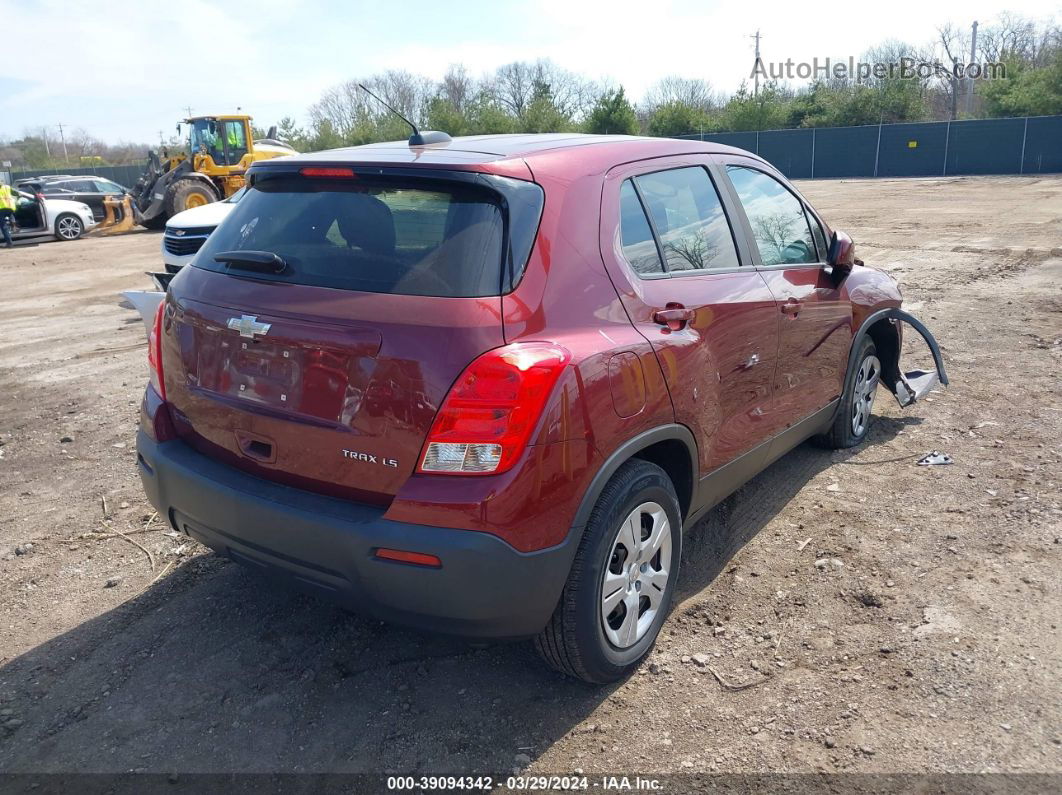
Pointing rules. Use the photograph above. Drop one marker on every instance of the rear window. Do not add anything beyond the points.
(401, 235)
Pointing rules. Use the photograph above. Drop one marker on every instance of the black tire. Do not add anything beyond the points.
(68, 227)
(842, 434)
(181, 191)
(574, 641)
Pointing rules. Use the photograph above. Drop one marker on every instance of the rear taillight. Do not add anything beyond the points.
(491, 410)
(155, 352)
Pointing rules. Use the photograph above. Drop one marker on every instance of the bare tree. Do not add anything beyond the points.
(342, 108)
(82, 145)
(894, 51)
(572, 93)
(776, 232)
(1012, 37)
(457, 87)
(406, 92)
(693, 92)
(1008, 38)
(952, 42)
(346, 109)
(690, 252)
(514, 87)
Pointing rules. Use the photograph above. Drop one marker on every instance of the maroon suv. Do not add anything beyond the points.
(481, 386)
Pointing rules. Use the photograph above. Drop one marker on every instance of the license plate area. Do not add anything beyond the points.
(309, 370)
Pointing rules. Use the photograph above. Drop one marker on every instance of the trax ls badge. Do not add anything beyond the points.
(370, 459)
(248, 326)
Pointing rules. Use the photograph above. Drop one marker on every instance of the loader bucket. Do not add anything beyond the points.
(119, 217)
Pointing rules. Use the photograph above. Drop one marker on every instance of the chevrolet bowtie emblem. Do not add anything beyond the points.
(178, 232)
(248, 326)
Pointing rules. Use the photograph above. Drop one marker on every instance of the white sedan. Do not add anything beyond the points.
(187, 231)
(36, 216)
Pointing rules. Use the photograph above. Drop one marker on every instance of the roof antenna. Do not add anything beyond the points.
(418, 138)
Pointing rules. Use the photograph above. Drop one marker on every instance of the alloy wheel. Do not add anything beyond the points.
(69, 228)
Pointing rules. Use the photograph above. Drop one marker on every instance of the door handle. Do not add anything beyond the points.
(675, 316)
(791, 306)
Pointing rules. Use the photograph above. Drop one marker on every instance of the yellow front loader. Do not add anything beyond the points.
(219, 150)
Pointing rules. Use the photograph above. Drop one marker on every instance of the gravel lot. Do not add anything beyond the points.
(887, 617)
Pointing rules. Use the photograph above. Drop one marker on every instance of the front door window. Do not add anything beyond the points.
(779, 225)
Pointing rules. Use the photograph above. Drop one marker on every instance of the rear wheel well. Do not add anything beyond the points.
(672, 456)
(886, 337)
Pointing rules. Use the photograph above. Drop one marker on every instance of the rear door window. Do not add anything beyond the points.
(688, 218)
(102, 186)
(399, 235)
(639, 247)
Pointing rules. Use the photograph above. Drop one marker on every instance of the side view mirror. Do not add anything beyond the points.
(842, 253)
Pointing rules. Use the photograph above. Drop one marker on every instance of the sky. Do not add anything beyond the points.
(126, 71)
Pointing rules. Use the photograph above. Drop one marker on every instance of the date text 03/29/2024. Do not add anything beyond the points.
(526, 783)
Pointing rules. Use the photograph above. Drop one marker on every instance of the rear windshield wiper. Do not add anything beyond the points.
(263, 261)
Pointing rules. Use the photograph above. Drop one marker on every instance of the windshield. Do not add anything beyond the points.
(204, 133)
(386, 235)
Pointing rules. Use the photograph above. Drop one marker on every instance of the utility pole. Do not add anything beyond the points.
(44, 135)
(66, 157)
(756, 65)
(954, 89)
(970, 80)
(188, 108)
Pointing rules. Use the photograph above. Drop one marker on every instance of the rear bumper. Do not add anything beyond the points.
(485, 588)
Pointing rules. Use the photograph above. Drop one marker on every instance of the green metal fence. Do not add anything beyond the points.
(1030, 145)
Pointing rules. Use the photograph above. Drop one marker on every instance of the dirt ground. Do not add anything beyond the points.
(888, 617)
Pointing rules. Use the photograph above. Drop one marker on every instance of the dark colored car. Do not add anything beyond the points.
(34, 184)
(481, 387)
(88, 190)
